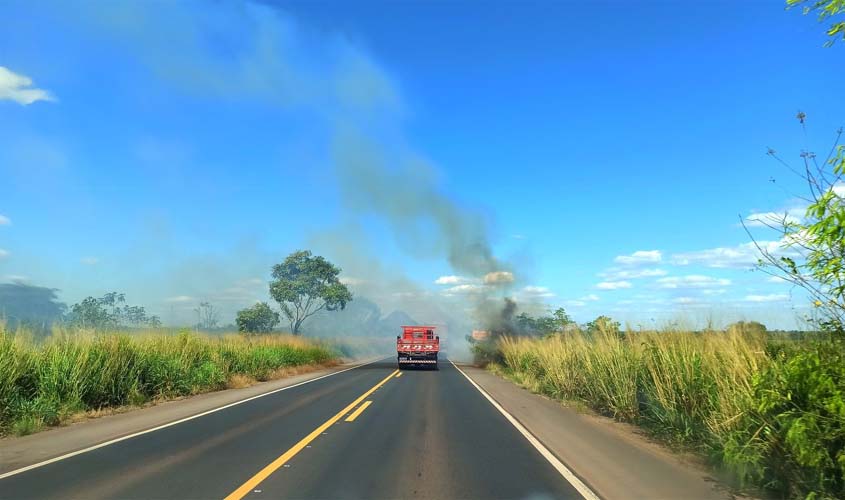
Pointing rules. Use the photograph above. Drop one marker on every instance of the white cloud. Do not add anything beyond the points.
(775, 219)
(5, 221)
(179, 298)
(614, 274)
(639, 257)
(537, 291)
(346, 280)
(776, 279)
(772, 297)
(498, 278)
(3, 253)
(452, 280)
(839, 189)
(89, 261)
(18, 88)
(613, 285)
(16, 278)
(692, 281)
(581, 302)
(744, 255)
(462, 290)
(685, 300)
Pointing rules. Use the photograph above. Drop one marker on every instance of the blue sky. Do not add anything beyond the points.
(602, 151)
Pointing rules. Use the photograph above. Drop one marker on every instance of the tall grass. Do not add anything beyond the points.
(45, 383)
(769, 412)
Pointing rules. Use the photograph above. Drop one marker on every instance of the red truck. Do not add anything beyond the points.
(418, 345)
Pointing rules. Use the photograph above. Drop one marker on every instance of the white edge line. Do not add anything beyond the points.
(564, 471)
(175, 422)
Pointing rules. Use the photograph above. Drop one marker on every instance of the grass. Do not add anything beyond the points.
(46, 383)
(769, 412)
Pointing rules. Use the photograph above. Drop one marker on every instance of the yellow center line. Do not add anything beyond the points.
(255, 480)
(398, 374)
(354, 414)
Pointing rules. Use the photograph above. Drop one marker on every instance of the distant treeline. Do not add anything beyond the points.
(36, 309)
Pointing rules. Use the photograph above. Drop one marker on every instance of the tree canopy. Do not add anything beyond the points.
(812, 250)
(110, 311)
(305, 284)
(825, 10)
(259, 318)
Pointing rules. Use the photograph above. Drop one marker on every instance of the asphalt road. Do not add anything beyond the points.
(424, 434)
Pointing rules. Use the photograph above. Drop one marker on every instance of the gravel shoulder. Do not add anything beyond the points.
(613, 459)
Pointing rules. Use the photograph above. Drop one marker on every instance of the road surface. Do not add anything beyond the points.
(369, 432)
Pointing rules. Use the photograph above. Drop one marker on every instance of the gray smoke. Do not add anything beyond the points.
(402, 189)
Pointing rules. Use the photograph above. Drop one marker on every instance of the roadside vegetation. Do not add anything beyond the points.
(46, 383)
(769, 411)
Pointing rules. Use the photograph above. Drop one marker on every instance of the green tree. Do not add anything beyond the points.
(109, 311)
(305, 284)
(257, 319)
(753, 327)
(603, 324)
(811, 253)
(561, 319)
(825, 9)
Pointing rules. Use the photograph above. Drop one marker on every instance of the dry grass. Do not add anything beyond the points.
(239, 381)
(767, 410)
(76, 372)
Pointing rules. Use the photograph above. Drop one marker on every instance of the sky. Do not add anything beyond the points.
(603, 153)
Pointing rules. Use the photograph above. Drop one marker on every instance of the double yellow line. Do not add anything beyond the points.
(244, 489)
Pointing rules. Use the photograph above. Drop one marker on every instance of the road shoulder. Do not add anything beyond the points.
(609, 457)
(17, 452)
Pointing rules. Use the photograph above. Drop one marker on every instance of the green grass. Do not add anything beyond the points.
(44, 384)
(769, 412)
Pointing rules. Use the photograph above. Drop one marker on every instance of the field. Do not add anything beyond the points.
(47, 383)
(768, 412)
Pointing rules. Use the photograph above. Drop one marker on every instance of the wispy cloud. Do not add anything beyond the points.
(453, 280)
(745, 255)
(466, 289)
(692, 281)
(18, 88)
(179, 299)
(639, 257)
(775, 219)
(686, 300)
(5, 221)
(772, 297)
(583, 301)
(613, 285)
(615, 274)
(537, 292)
(4, 253)
(89, 261)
